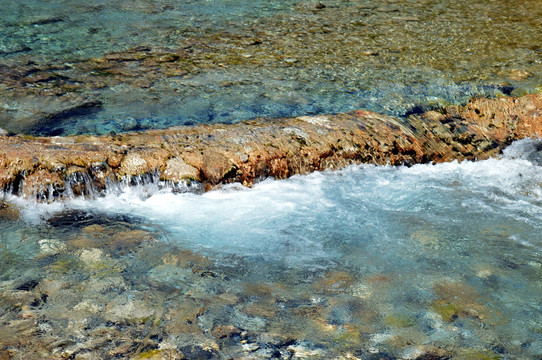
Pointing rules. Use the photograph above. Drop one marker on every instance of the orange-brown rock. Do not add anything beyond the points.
(50, 167)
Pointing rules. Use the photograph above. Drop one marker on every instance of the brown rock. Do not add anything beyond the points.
(8, 211)
(160, 354)
(225, 331)
(177, 170)
(128, 239)
(260, 310)
(335, 281)
(246, 152)
(216, 167)
(41, 184)
(133, 164)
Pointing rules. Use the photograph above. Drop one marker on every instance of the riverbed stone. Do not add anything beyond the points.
(335, 282)
(159, 354)
(458, 300)
(124, 309)
(128, 239)
(260, 310)
(228, 298)
(225, 331)
(302, 352)
(8, 211)
(91, 256)
(49, 247)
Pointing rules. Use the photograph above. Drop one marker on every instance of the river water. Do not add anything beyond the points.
(155, 64)
(369, 262)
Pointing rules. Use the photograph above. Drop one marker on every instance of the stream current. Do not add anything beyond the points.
(369, 261)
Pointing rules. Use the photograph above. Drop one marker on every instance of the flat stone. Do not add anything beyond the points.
(225, 331)
(215, 166)
(50, 247)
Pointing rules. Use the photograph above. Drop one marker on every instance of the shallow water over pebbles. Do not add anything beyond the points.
(72, 67)
(368, 262)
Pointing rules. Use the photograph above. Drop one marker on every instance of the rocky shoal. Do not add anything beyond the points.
(54, 167)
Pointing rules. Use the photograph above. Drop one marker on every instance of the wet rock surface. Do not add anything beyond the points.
(55, 167)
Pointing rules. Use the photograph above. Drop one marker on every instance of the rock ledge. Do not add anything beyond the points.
(54, 167)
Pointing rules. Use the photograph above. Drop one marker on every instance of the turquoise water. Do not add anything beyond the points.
(236, 60)
(69, 30)
(211, 104)
(370, 261)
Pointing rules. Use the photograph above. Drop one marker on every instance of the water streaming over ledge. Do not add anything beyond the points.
(372, 261)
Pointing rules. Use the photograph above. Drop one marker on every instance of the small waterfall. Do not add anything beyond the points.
(149, 184)
(93, 184)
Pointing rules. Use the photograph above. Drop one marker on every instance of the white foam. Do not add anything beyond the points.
(267, 217)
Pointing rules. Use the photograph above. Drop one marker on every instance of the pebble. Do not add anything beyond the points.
(50, 247)
(225, 331)
(519, 74)
(91, 256)
(302, 352)
(362, 291)
(229, 299)
(250, 347)
(159, 354)
(171, 276)
(484, 273)
(87, 306)
(337, 281)
(260, 310)
(124, 309)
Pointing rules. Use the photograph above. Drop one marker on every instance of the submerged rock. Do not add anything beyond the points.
(249, 151)
(8, 211)
(458, 300)
(160, 354)
(49, 247)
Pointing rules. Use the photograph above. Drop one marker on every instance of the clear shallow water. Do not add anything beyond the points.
(70, 30)
(375, 262)
(205, 101)
(236, 60)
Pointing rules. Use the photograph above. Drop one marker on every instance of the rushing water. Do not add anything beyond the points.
(370, 262)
